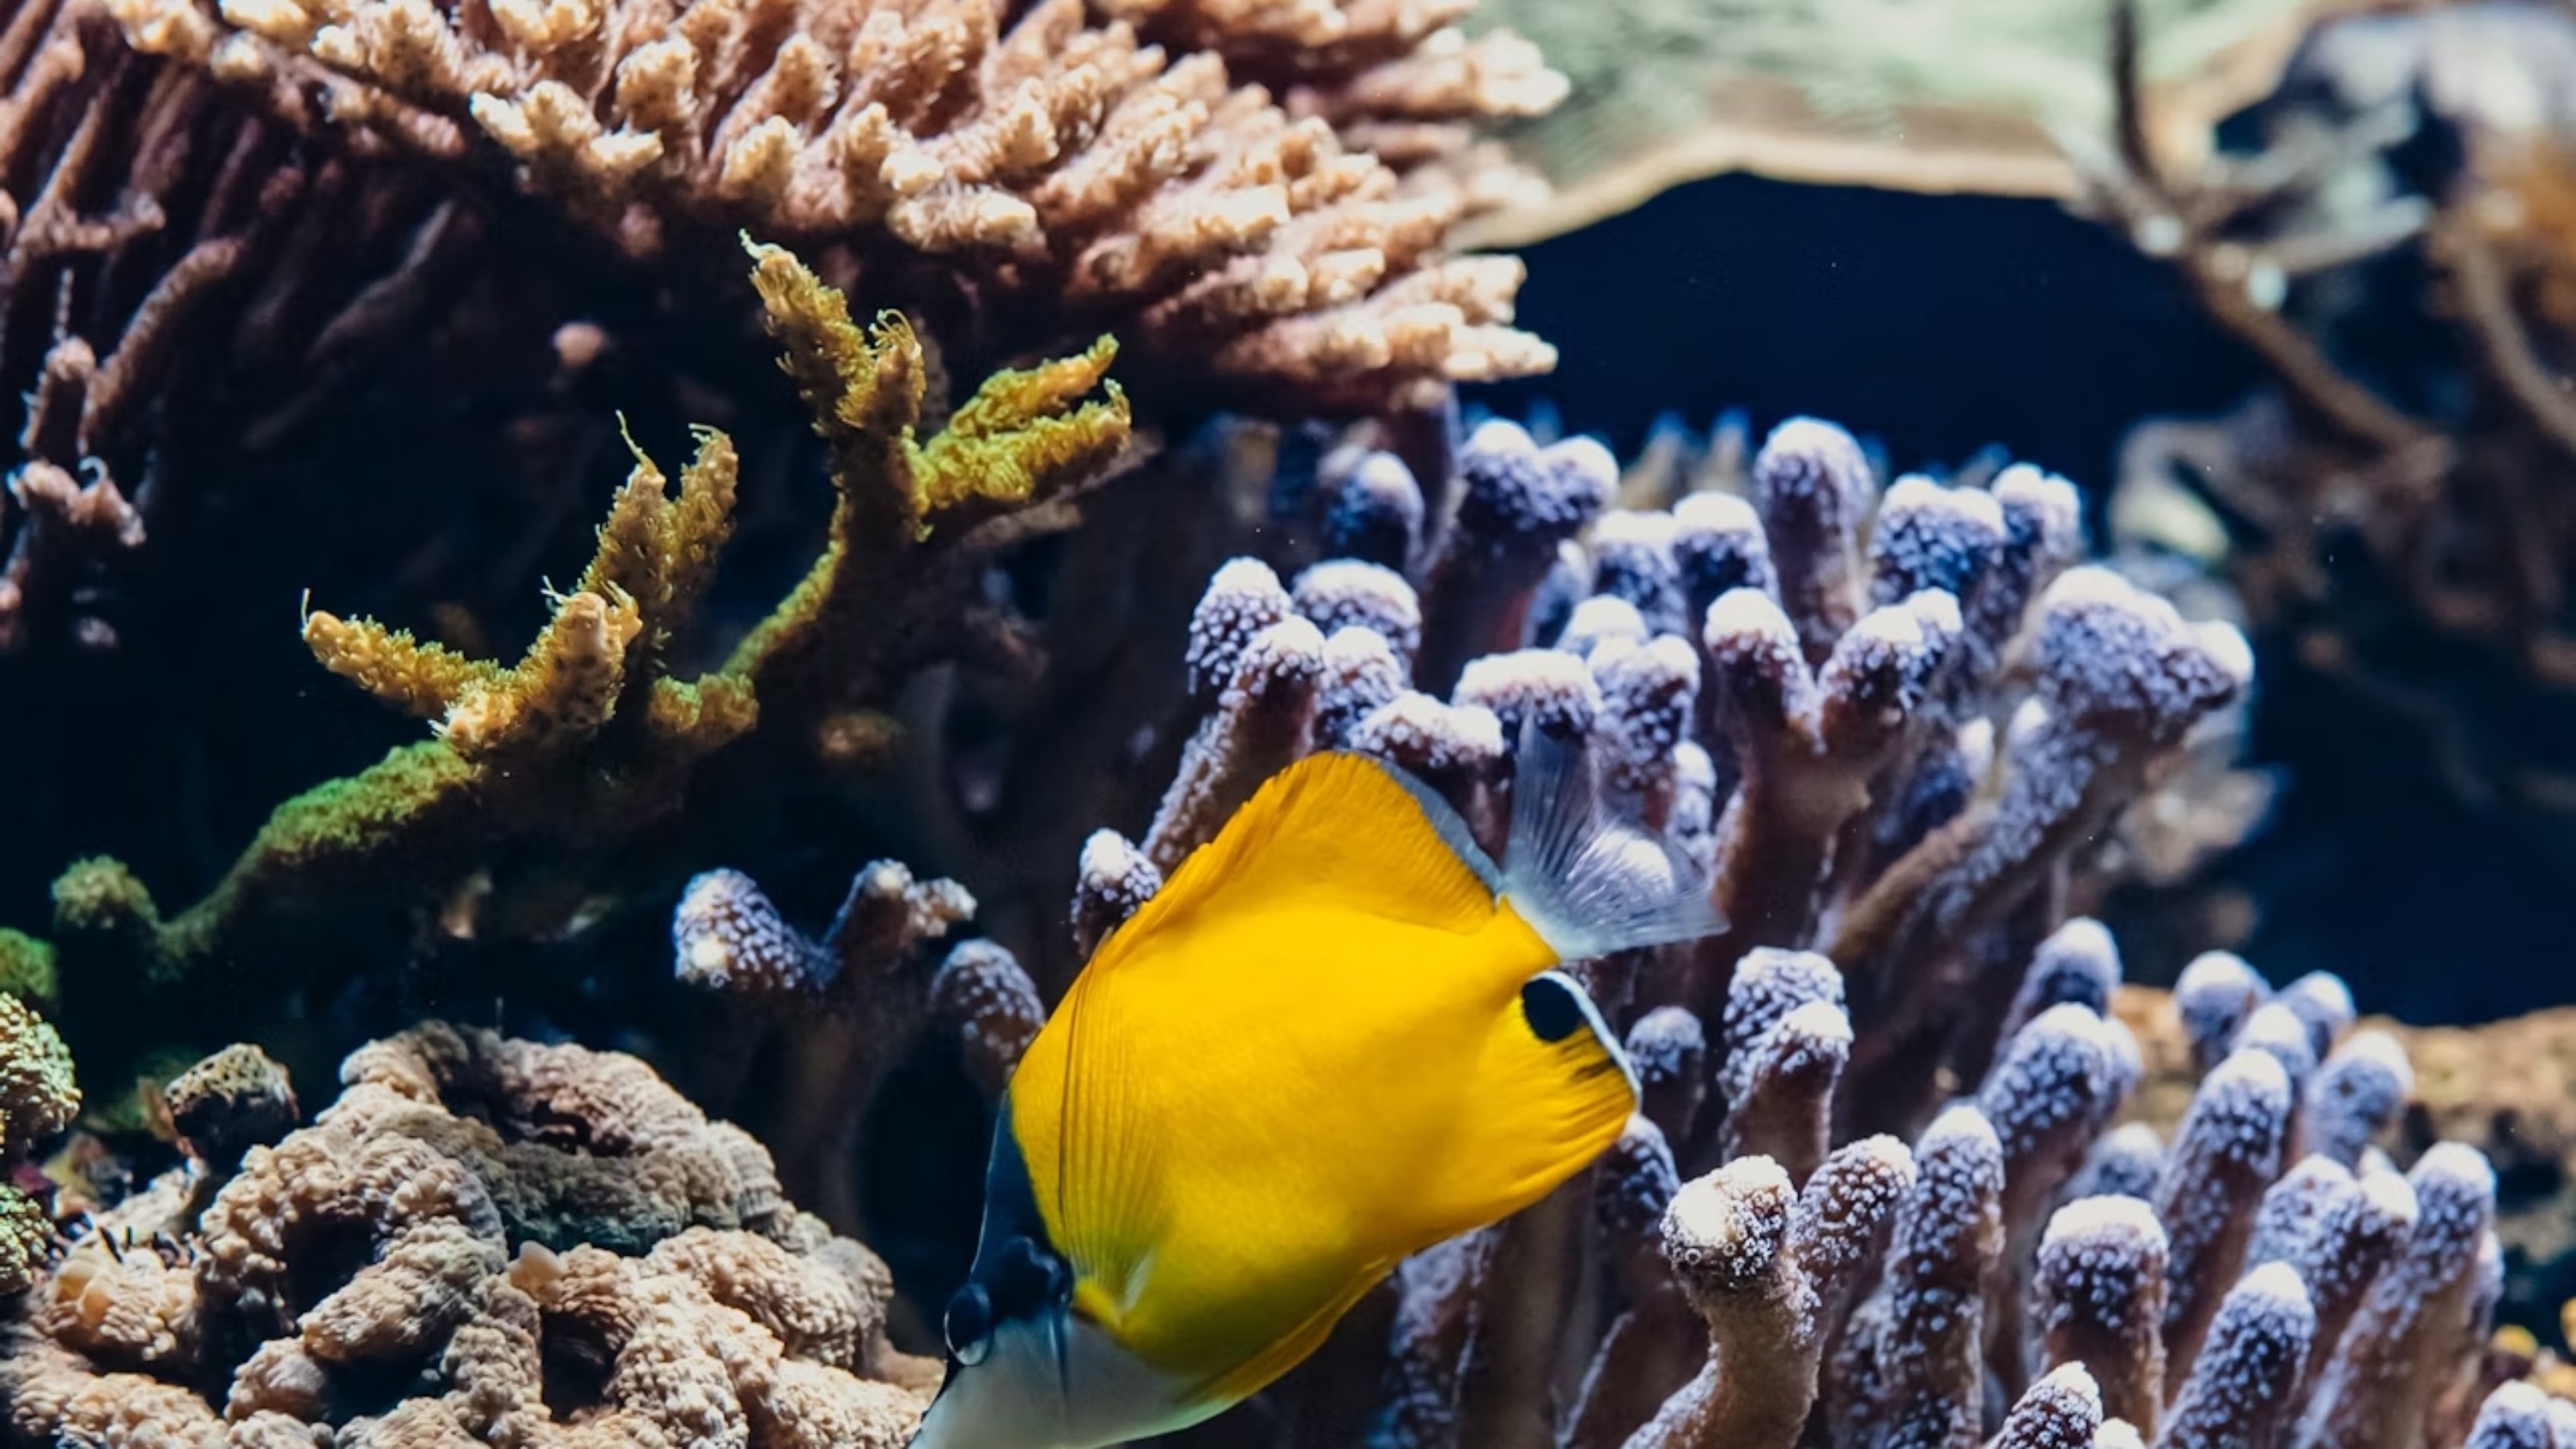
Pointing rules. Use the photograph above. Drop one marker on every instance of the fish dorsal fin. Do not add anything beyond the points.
(1341, 828)
(1587, 883)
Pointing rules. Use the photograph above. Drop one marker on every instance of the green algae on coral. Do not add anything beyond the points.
(27, 968)
(592, 738)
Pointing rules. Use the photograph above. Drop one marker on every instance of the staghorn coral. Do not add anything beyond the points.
(592, 741)
(1026, 154)
(482, 1240)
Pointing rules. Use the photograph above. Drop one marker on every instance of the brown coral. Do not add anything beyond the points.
(1037, 154)
(659, 1281)
(155, 242)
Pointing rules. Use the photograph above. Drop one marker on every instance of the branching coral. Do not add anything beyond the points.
(539, 771)
(1893, 724)
(823, 1020)
(1036, 154)
(157, 249)
(482, 1241)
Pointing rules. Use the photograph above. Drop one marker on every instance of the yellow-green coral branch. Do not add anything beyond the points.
(417, 678)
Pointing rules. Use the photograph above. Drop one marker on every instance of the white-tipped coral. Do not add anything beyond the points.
(2100, 1284)
(1112, 880)
(1261, 722)
(1243, 598)
(1812, 487)
(2414, 1324)
(990, 1008)
(1519, 501)
(1930, 537)
(1346, 593)
(2238, 1395)
(1372, 512)
(1633, 558)
(2225, 1153)
(2355, 1096)
(2061, 1411)
(2215, 995)
(1548, 688)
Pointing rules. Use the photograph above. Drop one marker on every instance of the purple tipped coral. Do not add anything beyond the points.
(1898, 728)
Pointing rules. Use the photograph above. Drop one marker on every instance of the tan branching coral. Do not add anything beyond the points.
(1038, 153)
(539, 1245)
(594, 736)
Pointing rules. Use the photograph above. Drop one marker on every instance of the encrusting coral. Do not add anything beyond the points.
(595, 737)
(482, 1241)
(1036, 155)
(38, 1098)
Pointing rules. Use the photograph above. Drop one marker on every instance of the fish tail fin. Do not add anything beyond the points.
(1587, 882)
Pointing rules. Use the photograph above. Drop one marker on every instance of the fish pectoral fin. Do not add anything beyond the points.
(1588, 882)
(1548, 1092)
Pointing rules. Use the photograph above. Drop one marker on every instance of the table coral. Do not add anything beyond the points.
(596, 735)
(1032, 153)
(482, 1240)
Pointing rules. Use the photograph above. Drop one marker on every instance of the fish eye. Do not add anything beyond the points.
(969, 1325)
(1549, 1004)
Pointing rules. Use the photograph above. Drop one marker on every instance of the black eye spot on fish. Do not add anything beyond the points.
(969, 1325)
(1552, 1009)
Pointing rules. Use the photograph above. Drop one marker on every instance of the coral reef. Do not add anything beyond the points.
(1899, 724)
(482, 1241)
(541, 772)
(1035, 156)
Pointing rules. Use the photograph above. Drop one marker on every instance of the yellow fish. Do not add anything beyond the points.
(1337, 1036)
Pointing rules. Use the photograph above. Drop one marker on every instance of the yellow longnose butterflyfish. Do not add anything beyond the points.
(1338, 1035)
